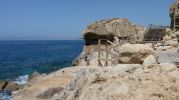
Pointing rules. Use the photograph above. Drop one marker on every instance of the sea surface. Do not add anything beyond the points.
(19, 59)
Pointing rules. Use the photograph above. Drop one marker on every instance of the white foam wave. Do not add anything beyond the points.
(21, 80)
(5, 96)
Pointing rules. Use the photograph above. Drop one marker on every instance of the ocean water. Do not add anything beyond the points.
(18, 59)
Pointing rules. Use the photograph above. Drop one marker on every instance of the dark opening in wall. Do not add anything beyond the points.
(92, 38)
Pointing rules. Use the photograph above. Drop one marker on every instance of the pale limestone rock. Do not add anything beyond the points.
(119, 82)
(82, 62)
(123, 82)
(125, 54)
(173, 36)
(49, 93)
(167, 37)
(119, 27)
(125, 59)
(168, 30)
(135, 48)
(135, 53)
(171, 42)
(95, 75)
(150, 60)
(46, 86)
(176, 33)
(93, 59)
(164, 48)
(168, 66)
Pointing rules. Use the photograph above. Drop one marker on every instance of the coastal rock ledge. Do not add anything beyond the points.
(123, 82)
(119, 82)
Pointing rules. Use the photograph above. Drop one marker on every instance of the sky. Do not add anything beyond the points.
(66, 19)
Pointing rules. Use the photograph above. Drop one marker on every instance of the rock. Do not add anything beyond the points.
(108, 28)
(176, 33)
(12, 87)
(124, 54)
(82, 62)
(167, 37)
(171, 42)
(136, 48)
(149, 60)
(164, 48)
(173, 36)
(34, 78)
(34, 74)
(168, 30)
(120, 81)
(125, 60)
(3, 84)
(46, 85)
(94, 76)
(49, 93)
(119, 29)
(93, 59)
(134, 53)
(168, 66)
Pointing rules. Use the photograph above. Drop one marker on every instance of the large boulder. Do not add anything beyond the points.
(12, 87)
(135, 48)
(150, 60)
(134, 53)
(3, 84)
(107, 29)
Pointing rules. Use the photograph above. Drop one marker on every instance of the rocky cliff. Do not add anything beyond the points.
(107, 29)
(124, 82)
(119, 82)
(121, 28)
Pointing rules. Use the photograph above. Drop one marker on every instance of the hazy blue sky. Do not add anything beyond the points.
(65, 19)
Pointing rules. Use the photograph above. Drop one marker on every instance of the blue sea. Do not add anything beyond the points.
(18, 59)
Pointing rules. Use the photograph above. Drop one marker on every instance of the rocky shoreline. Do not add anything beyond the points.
(139, 73)
(119, 82)
(8, 86)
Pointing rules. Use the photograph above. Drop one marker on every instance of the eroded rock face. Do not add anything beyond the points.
(123, 82)
(150, 60)
(120, 28)
(107, 29)
(8, 86)
(43, 87)
(3, 84)
(49, 93)
(134, 53)
(122, 54)
(12, 86)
